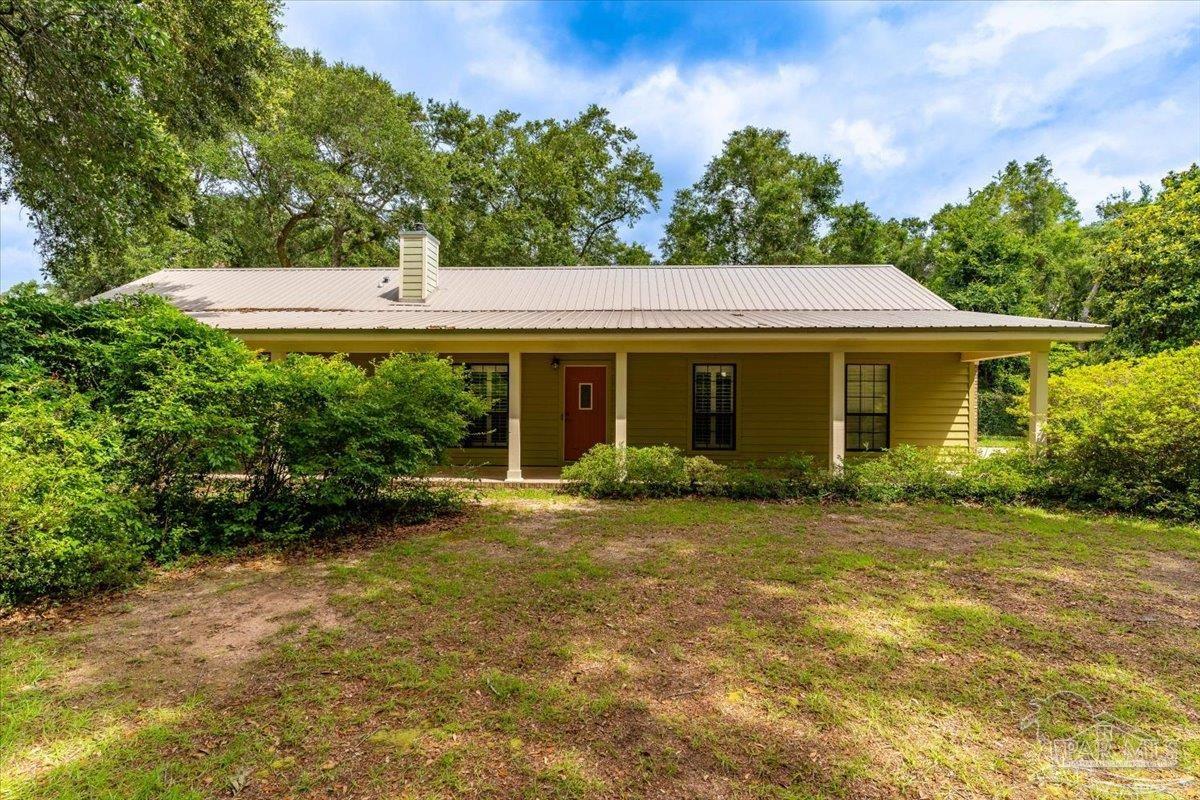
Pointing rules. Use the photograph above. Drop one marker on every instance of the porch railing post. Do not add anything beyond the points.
(514, 417)
(1039, 376)
(621, 426)
(837, 411)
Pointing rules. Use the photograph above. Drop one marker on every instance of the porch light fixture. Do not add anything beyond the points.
(554, 363)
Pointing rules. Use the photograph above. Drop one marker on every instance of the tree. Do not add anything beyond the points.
(335, 172)
(1150, 269)
(1015, 247)
(858, 236)
(757, 203)
(99, 103)
(540, 192)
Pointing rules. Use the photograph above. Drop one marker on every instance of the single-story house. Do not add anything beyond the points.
(733, 362)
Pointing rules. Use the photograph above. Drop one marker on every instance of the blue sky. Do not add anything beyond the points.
(919, 101)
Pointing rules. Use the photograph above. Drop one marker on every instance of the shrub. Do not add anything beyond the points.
(610, 471)
(704, 476)
(64, 530)
(1127, 434)
(331, 438)
(914, 473)
(902, 473)
(789, 477)
(130, 431)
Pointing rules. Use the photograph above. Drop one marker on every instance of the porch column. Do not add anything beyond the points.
(1039, 373)
(837, 411)
(621, 437)
(514, 417)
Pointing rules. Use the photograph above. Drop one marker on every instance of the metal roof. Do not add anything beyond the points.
(824, 298)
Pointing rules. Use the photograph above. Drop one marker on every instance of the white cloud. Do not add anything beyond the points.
(870, 144)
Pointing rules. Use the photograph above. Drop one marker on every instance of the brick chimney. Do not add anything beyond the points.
(418, 264)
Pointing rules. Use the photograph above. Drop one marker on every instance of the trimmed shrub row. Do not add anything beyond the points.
(904, 473)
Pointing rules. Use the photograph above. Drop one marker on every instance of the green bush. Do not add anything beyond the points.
(610, 471)
(1126, 434)
(332, 440)
(902, 473)
(944, 474)
(704, 476)
(128, 431)
(790, 477)
(65, 528)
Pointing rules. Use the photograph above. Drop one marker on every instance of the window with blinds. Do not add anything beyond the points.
(489, 382)
(867, 397)
(714, 395)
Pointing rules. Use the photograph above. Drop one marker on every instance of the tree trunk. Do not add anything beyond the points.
(281, 252)
(335, 247)
(1085, 313)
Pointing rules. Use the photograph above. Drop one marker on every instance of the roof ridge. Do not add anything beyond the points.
(567, 267)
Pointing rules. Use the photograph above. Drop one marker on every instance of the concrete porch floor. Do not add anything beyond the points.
(550, 477)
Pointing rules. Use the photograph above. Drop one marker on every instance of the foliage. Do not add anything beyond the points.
(610, 471)
(542, 192)
(857, 236)
(704, 475)
(789, 477)
(63, 530)
(335, 171)
(100, 103)
(1126, 434)
(331, 439)
(907, 473)
(129, 431)
(1150, 270)
(757, 203)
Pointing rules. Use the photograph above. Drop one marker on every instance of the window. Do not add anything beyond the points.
(867, 393)
(585, 397)
(489, 382)
(713, 397)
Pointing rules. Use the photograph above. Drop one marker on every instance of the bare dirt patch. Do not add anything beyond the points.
(176, 636)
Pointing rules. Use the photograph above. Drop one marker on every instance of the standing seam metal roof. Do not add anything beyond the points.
(572, 298)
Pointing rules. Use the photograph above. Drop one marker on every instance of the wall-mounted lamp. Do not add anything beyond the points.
(554, 363)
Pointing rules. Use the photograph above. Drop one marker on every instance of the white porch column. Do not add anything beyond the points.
(837, 411)
(621, 437)
(514, 417)
(1039, 373)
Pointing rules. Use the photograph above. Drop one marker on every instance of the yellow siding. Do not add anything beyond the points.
(930, 404)
(782, 403)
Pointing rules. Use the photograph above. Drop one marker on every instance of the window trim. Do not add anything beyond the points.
(591, 406)
(732, 413)
(887, 415)
(467, 444)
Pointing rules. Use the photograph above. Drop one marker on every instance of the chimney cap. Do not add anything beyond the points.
(419, 229)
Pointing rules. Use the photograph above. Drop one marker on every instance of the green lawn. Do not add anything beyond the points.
(541, 646)
(1001, 441)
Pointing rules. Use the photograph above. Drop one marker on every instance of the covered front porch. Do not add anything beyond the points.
(733, 397)
(728, 406)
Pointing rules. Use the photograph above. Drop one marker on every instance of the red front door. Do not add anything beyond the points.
(585, 417)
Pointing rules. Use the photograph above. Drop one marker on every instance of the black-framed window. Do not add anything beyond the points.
(868, 394)
(489, 382)
(714, 396)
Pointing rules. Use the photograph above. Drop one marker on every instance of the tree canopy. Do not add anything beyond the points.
(101, 102)
(1014, 247)
(540, 192)
(338, 167)
(757, 203)
(1149, 269)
